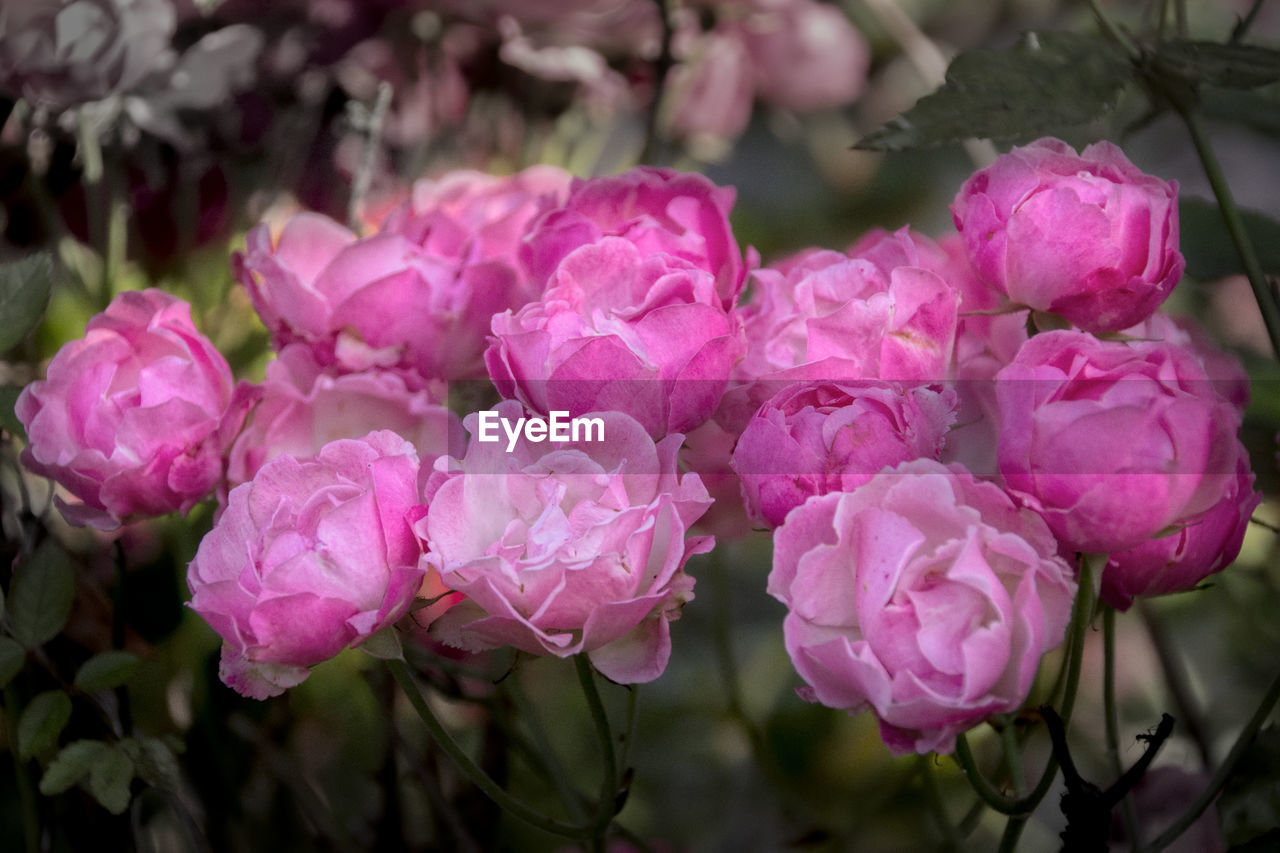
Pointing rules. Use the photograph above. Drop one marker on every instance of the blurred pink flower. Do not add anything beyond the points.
(805, 55)
(311, 556)
(134, 418)
(573, 548)
(925, 596)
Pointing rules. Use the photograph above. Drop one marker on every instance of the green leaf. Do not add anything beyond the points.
(41, 594)
(1048, 82)
(109, 779)
(42, 721)
(71, 765)
(384, 644)
(1207, 245)
(105, 671)
(24, 293)
(12, 657)
(1257, 109)
(154, 762)
(1249, 806)
(1233, 66)
(8, 418)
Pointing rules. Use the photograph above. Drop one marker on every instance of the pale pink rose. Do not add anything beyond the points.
(417, 297)
(135, 417)
(707, 452)
(302, 409)
(1225, 372)
(1089, 237)
(566, 548)
(814, 438)
(59, 53)
(710, 91)
(925, 596)
(622, 331)
(661, 211)
(1196, 549)
(311, 556)
(1113, 442)
(828, 317)
(805, 55)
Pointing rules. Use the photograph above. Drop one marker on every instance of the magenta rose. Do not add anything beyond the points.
(311, 556)
(135, 417)
(1197, 548)
(568, 548)
(1113, 442)
(925, 596)
(302, 409)
(661, 211)
(814, 438)
(1089, 237)
(618, 330)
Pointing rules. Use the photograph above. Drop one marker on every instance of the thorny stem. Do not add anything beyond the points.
(1112, 715)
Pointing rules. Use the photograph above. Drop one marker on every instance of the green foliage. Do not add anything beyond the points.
(42, 721)
(1048, 82)
(153, 761)
(8, 418)
(12, 657)
(1232, 66)
(71, 764)
(24, 293)
(1250, 803)
(105, 671)
(41, 594)
(110, 777)
(1207, 245)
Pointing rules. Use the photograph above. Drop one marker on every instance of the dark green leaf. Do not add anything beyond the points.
(42, 721)
(12, 657)
(1233, 66)
(1250, 803)
(1049, 82)
(24, 293)
(1208, 248)
(8, 419)
(105, 671)
(154, 761)
(70, 766)
(1259, 110)
(109, 779)
(41, 594)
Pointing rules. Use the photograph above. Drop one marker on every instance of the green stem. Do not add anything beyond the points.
(933, 795)
(1012, 758)
(1012, 832)
(474, 773)
(572, 799)
(1113, 31)
(26, 792)
(1175, 677)
(1211, 791)
(609, 782)
(1233, 220)
(1112, 714)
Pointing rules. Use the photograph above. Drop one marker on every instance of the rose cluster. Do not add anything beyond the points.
(930, 466)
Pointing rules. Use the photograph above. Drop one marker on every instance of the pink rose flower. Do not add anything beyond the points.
(805, 55)
(1089, 237)
(826, 317)
(1113, 442)
(1199, 547)
(302, 409)
(416, 297)
(621, 331)
(814, 438)
(925, 595)
(710, 91)
(311, 556)
(659, 210)
(134, 418)
(568, 548)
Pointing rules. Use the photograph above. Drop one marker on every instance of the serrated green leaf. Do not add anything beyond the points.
(1233, 66)
(41, 594)
(105, 671)
(1049, 82)
(12, 657)
(42, 721)
(109, 779)
(1208, 248)
(154, 762)
(8, 418)
(24, 293)
(70, 765)
(1249, 806)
